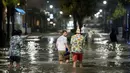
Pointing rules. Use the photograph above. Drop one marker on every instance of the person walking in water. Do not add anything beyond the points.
(15, 48)
(77, 42)
(113, 37)
(62, 46)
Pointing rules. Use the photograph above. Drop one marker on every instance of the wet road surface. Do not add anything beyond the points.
(39, 55)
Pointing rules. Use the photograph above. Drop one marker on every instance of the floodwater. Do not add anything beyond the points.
(39, 55)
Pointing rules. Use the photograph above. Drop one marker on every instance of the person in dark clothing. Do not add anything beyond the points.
(113, 38)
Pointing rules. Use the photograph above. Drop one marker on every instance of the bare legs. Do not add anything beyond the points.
(67, 61)
(75, 63)
(17, 65)
(77, 57)
(11, 65)
(61, 62)
(80, 65)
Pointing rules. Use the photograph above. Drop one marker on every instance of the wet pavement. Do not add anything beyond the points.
(39, 55)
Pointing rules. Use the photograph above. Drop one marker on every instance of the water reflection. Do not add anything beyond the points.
(32, 39)
(118, 51)
(102, 51)
(42, 60)
(50, 48)
(117, 63)
(111, 71)
(32, 51)
(51, 40)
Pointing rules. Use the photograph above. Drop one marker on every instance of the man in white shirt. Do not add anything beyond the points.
(83, 30)
(61, 46)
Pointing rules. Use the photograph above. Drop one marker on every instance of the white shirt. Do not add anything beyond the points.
(83, 30)
(61, 41)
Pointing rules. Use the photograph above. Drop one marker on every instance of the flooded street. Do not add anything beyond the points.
(104, 23)
(39, 55)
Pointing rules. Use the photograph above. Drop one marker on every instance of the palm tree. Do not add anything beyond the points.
(10, 15)
(10, 4)
(1, 23)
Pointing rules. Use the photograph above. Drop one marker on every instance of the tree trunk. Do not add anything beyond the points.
(2, 37)
(80, 22)
(1, 14)
(1, 18)
(4, 20)
(79, 19)
(75, 21)
(75, 24)
(8, 23)
(13, 18)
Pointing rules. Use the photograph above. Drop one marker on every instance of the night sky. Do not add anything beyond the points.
(41, 3)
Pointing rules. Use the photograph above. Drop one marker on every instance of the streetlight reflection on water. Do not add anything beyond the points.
(50, 48)
(32, 50)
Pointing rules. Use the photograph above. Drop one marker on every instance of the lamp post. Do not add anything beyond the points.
(100, 10)
(104, 13)
(61, 12)
(104, 2)
(70, 15)
(51, 6)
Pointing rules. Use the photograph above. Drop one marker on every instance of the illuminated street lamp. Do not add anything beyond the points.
(51, 6)
(98, 13)
(61, 12)
(51, 22)
(70, 15)
(51, 16)
(54, 24)
(104, 14)
(18, 4)
(100, 10)
(48, 19)
(104, 2)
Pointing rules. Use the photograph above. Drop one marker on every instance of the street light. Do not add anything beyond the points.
(51, 16)
(104, 13)
(61, 12)
(51, 6)
(51, 22)
(18, 4)
(47, 1)
(100, 10)
(70, 15)
(54, 24)
(48, 19)
(98, 13)
(104, 2)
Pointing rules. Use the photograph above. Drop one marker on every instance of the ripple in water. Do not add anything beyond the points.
(102, 51)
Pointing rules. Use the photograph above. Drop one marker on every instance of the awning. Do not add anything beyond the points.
(20, 10)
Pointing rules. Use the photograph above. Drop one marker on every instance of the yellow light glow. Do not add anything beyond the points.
(18, 4)
(38, 22)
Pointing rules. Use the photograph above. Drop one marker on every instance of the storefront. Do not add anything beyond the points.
(19, 20)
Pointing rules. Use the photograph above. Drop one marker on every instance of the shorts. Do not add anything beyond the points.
(15, 59)
(77, 56)
(62, 56)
